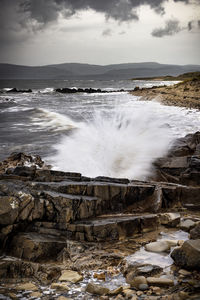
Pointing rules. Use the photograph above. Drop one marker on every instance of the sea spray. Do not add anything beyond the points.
(119, 142)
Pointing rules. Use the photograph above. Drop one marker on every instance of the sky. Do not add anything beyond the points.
(41, 32)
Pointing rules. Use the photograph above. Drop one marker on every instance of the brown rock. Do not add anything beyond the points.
(156, 281)
(195, 232)
(96, 289)
(59, 286)
(26, 287)
(70, 276)
(188, 255)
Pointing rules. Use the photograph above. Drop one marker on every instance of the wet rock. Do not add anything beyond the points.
(36, 295)
(135, 281)
(195, 232)
(187, 225)
(36, 247)
(14, 90)
(147, 270)
(143, 287)
(26, 287)
(158, 281)
(59, 286)
(97, 289)
(116, 291)
(70, 276)
(188, 255)
(184, 272)
(170, 219)
(159, 246)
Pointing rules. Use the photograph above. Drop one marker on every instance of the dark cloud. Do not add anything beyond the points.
(171, 27)
(20, 19)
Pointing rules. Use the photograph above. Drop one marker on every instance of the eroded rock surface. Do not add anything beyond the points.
(54, 225)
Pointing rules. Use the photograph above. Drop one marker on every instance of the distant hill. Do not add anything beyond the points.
(87, 71)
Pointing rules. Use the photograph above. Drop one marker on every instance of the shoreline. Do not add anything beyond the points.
(184, 94)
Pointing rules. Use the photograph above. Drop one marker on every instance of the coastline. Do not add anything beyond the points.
(184, 94)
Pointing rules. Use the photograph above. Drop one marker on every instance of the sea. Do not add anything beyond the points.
(111, 134)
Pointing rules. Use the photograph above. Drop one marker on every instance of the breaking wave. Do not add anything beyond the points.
(121, 142)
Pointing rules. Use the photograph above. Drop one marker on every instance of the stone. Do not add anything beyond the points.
(36, 295)
(70, 276)
(97, 289)
(156, 290)
(116, 291)
(26, 287)
(63, 298)
(170, 219)
(184, 272)
(135, 281)
(183, 295)
(128, 293)
(143, 287)
(12, 296)
(188, 255)
(195, 232)
(159, 246)
(158, 281)
(187, 225)
(59, 286)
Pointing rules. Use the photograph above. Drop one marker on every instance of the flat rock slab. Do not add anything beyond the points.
(111, 227)
(70, 276)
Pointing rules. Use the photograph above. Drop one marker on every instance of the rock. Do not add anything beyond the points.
(183, 295)
(12, 296)
(156, 290)
(195, 232)
(63, 298)
(158, 281)
(70, 276)
(159, 246)
(188, 255)
(135, 281)
(170, 219)
(187, 225)
(143, 287)
(128, 293)
(184, 272)
(36, 295)
(116, 291)
(26, 287)
(97, 289)
(59, 286)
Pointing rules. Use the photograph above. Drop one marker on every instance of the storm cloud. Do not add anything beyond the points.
(37, 13)
(171, 27)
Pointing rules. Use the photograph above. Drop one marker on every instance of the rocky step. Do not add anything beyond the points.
(34, 246)
(111, 227)
(115, 197)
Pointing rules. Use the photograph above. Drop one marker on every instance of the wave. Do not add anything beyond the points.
(122, 142)
(53, 120)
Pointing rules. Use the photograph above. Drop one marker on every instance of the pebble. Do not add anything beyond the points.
(160, 281)
(143, 287)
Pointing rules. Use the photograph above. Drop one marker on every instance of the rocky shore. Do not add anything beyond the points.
(66, 236)
(186, 93)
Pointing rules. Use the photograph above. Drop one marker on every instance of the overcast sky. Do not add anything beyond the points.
(39, 32)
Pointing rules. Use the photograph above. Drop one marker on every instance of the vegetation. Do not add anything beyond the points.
(183, 77)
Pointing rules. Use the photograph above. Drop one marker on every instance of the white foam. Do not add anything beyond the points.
(124, 141)
(53, 120)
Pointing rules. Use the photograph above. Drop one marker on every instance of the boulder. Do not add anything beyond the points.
(187, 225)
(195, 232)
(188, 255)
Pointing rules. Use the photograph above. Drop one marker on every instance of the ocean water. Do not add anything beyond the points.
(113, 134)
